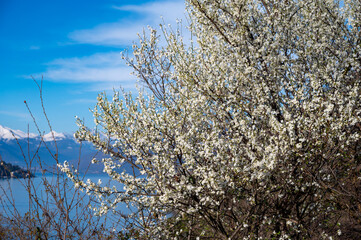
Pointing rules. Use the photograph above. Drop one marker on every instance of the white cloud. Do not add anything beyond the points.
(81, 100)
(86, 74)
(169, 10)
(105, 71)
(18, 115)
(108, 87)
(125, 32)
(108, 34)
(97, 68)
(34, 47)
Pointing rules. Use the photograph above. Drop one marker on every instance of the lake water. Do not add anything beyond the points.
(14, 195)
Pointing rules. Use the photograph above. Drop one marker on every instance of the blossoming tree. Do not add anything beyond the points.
(249, 129)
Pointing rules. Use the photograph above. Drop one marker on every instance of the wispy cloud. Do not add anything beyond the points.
(81, 101)
(111, 34)
(18, 115)
(34, 47)
(169, 10)
(105, 71)
(97, 68)
(124, 32)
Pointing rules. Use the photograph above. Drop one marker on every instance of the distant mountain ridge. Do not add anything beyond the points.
(15, 145)
(10, 134)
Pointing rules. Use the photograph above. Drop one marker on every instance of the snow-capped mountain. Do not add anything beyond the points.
(20, 148)
(9, 134)
(53, 135)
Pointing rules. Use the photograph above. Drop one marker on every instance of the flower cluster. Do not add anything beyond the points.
(249, 130)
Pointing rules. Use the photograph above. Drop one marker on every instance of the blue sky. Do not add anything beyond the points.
(76, 46)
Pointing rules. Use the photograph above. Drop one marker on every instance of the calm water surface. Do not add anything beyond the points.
(15, 190)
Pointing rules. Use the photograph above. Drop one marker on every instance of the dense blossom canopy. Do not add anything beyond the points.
(250, 129)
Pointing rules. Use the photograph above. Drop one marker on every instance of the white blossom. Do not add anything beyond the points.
(239, 127)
